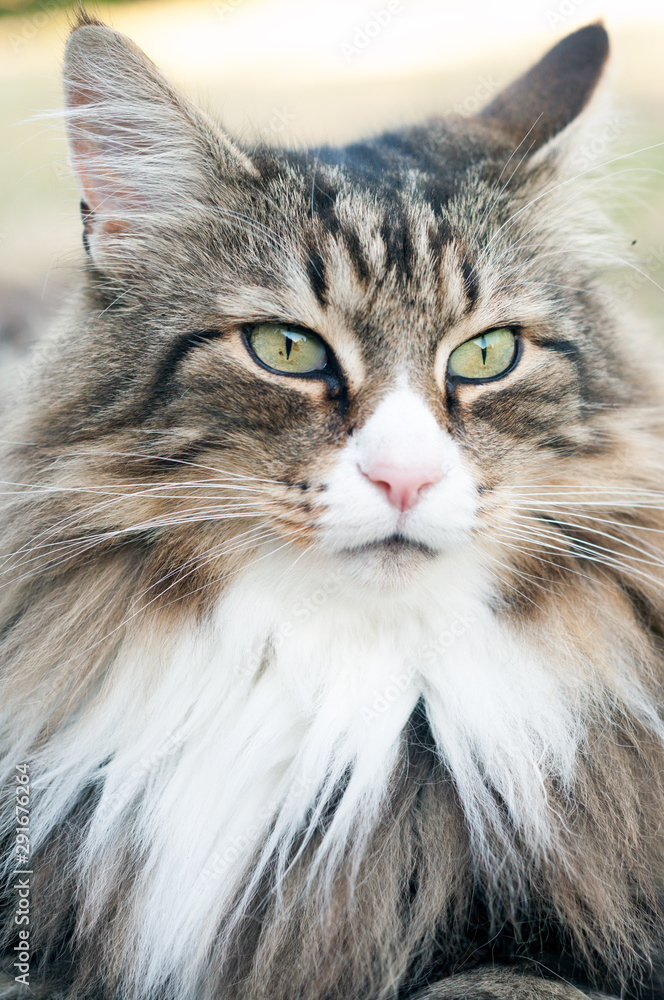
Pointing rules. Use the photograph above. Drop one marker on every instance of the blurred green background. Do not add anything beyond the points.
(309, 71)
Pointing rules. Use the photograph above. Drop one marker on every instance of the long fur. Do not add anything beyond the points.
(283, 743)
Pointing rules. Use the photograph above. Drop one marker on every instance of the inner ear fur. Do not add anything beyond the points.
(141, 151)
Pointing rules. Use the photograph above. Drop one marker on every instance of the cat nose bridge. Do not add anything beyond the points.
(401, 449)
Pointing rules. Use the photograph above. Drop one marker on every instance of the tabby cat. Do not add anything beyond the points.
(332, 609)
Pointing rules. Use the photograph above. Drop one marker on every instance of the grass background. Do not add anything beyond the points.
(285, 69)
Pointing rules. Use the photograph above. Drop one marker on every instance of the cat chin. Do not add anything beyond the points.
(388, 562)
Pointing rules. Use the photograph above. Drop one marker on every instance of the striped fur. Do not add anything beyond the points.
(285, 741)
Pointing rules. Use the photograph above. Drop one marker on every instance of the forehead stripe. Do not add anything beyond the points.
(316, 274)
(470, 282)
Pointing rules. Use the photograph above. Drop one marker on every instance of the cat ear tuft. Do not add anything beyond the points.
(81, 16)
(140, 151)
(547, 98)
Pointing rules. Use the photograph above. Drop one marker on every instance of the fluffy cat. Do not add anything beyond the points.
(332, 617)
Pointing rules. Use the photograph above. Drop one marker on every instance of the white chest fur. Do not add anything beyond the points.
(241, 731)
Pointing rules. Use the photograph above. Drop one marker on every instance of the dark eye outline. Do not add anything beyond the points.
(330, 372)
(454, 379)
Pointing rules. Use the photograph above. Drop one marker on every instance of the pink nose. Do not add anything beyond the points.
(403, 486)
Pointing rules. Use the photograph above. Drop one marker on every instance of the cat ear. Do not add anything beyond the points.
(549, 96)
(140, 151)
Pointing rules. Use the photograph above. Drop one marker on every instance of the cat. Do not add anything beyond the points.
(332, 619)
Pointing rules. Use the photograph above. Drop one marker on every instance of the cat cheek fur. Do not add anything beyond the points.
(267, 762)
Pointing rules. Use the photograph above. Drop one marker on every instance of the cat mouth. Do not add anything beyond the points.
(395, 543)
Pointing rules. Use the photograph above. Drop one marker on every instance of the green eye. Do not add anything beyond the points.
(290, 351)
(484, 357)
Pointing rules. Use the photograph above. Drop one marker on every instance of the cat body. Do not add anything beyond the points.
(335, 666)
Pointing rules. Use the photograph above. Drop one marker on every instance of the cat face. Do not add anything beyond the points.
(368, 352)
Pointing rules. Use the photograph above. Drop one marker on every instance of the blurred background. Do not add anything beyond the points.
(311, 71)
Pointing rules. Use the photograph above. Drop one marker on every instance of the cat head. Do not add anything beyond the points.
(366, 352)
